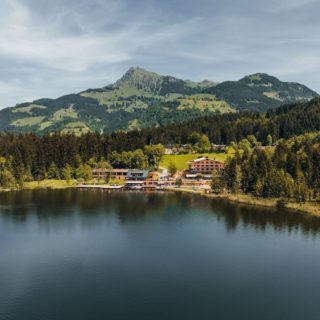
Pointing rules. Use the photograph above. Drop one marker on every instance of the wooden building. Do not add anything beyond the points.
(205, 165)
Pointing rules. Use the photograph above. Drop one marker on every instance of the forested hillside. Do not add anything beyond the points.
(283, 122)
(33, 155)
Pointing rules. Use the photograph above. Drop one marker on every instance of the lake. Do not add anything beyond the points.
(77, 254)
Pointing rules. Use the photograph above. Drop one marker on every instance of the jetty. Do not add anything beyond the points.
(100, 187)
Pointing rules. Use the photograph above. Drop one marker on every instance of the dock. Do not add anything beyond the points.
(99, 187)
(120, 188)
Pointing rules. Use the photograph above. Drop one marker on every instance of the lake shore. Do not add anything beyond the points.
(303, 208)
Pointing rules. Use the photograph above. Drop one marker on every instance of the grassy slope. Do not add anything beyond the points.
(204, 101)
(181, 160)
(29, 121)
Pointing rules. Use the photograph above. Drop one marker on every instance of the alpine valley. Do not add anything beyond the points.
(143, 99)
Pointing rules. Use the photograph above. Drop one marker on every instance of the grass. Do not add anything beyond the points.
(110, 97)
(30, 121)
(28, 109)
(61, 184)
(204, 102)
(181, 160)
(76, 124)
(138, 104)
(59, 115)
(45, 125)
(65, 113)
(134, 124)
(49, 183)
(310, 208)
(273, 95)
(76, 127)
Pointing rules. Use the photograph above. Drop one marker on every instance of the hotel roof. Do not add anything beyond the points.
(134, 173)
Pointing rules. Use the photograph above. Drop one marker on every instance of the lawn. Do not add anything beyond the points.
(181, 160)
(49, 183)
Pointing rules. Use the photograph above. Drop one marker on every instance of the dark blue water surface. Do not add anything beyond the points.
(71, 254)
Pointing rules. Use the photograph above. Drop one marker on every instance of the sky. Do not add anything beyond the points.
(52, 48)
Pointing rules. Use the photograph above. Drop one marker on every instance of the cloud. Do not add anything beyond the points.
(24, 39)
(50, 48)
(279, 6)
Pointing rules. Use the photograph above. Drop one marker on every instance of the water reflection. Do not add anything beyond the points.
(50, 206)
(263, 218)
(76, 254)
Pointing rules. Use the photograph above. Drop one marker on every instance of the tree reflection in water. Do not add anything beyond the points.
(55, 206)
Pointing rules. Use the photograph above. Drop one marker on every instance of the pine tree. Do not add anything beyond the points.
(67, 173)
(217, 183)
(53, 172)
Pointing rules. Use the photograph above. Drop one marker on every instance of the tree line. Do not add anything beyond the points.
(291, 170)
(26, 157)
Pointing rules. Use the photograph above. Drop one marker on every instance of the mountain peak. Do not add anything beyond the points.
(138, 69)
(141, 79)
(135, 71)
(259, 78)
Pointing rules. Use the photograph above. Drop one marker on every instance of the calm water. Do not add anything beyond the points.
(72, 254)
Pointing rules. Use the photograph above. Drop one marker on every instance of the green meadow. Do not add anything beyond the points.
(181, 160)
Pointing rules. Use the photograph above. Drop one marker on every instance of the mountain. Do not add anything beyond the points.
(155, 84)
(259, 92)
(145, 99)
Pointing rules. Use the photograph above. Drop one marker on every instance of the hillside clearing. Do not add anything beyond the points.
(181, 160)
(30, 121)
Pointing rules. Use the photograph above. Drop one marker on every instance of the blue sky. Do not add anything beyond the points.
(51, 48)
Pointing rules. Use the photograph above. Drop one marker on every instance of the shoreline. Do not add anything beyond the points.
(301, 208)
